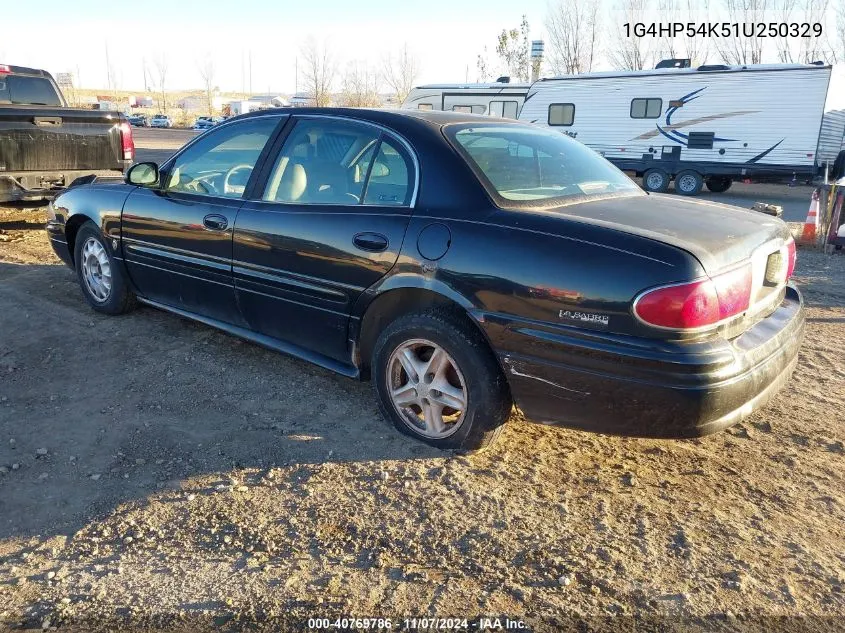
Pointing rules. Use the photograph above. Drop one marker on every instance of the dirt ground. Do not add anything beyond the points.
(156, 473)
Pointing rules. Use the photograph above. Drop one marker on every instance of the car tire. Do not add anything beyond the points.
(719, 184)
(100, 276)
(468, 373)
(656, 181)
(689, 183)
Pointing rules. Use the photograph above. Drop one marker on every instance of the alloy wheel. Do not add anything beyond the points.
(96, 270)
(427, 388)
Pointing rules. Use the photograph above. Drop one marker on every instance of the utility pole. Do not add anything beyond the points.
(108, 68)
(250, 71)
(243, 73)
(296, 79)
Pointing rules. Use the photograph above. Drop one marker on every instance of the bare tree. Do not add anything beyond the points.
(207, 70)
(695, 48)
(319, 70)
(838, 43)
(573, 30)
(743, 47)
(161, 66)
(631, 51)
(361, 86)
(400, 72)
(803, 49)
(682, 45)
(513, 49)
(482, 65)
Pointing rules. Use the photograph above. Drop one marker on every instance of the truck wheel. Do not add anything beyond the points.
(719, 184)
(656, 180)
(689, 183)
(101, 278)
(438, 381)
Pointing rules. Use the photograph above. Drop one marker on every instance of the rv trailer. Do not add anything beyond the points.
(707, 125)
(502, 99)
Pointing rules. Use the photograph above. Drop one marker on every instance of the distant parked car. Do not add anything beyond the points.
(161, 120)
(206, 122)
(139, 120)
(203, 123)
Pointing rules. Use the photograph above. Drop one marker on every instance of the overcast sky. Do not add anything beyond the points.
(445, 35)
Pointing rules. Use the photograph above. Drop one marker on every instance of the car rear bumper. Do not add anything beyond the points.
(632, 386)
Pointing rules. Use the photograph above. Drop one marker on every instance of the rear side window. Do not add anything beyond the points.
(389, 183)
(24, 90)
(562, 114)
(646, 108)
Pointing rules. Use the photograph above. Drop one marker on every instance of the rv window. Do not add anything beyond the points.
(505, 109)
(465, 109)
(425, 106)
(479, 109)
(646, 108)
(562, 114)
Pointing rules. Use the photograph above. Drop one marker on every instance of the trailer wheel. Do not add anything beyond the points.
(656, 180)
(689, 183)
(719, 184)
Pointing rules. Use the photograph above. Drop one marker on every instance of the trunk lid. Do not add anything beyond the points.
(718, 235)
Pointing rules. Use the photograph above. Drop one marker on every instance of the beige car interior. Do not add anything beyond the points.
(302, 175)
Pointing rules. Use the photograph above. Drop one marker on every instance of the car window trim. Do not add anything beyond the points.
(376, 150)
(280, 140)
(164, 169)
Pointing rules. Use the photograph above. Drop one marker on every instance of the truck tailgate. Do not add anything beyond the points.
(35, 138)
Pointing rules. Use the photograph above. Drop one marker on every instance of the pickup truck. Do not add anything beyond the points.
(45, 146)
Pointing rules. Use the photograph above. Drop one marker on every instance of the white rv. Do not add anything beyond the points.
(711, 124)
(497, 99)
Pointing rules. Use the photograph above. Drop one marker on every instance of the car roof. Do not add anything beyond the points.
(395, 118)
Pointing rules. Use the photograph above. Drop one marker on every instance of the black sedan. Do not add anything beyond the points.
(463, 263)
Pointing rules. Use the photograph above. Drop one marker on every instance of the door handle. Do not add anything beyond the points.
(215, 222)
(371, 242)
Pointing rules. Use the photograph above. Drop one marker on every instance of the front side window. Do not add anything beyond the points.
(646, 108)
(523, 165)
(221, 161)
(562, 114)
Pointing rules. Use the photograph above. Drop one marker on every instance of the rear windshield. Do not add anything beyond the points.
(524, 165)
(23, 90)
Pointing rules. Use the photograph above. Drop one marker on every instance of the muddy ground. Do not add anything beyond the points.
(157, 473)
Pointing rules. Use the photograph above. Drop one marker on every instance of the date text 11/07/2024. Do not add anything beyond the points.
(723, 29)
(418, 624)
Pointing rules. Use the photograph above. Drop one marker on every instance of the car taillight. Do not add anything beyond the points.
(697, 304)
(127, 144)
(4, 69)
(791, 258)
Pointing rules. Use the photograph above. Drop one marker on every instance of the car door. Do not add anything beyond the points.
(177, 236)
(328, 223)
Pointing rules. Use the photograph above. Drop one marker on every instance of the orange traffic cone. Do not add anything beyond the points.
(811, 224)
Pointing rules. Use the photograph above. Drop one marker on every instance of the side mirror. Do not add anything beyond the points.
(143, 175)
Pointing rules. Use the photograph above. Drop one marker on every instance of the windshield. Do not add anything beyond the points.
(520, 163)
